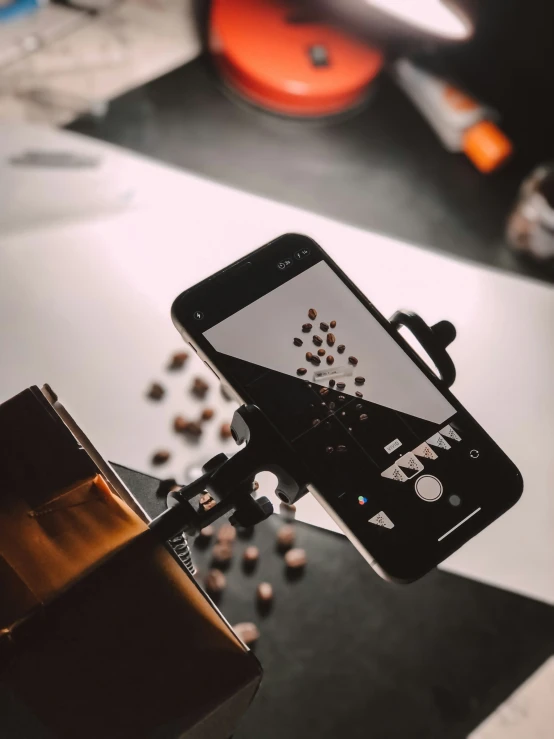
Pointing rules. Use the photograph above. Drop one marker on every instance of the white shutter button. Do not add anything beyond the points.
(428, 488)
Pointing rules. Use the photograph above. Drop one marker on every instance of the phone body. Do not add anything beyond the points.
(392, 455)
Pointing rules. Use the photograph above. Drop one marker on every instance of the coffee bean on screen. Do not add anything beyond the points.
(333, 324)
(324, 391)
(359, 380)
(316, 361)
(341, 348)
(301, 371)
(312, 314)
(297, 342)
(296, 559)
(227, 533)
(309, 356)
(225, 431)
(199, 388)
(359, 407)
(343, 413)
(363, 417)
(330, 359)
(318, 341)
(177, 361)
(316, 421)
(329, 449)
(332, 383)
(341, 385)
(321, 352)
(264, 592)
(341, 448)
(286, 537)
(324, 326)
(353, 361)
(247, 632)
(332, 406)
(160, 457)
(156, 391)
(207, 414)
(331, 339)
(341, 398)
(215, 582)
(359, 394)
(306, 328)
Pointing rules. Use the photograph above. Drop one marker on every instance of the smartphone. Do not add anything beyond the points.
(393, 456)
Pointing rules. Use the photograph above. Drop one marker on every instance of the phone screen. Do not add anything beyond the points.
(395, 457)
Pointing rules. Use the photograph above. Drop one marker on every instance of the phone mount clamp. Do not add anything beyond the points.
(228, 481)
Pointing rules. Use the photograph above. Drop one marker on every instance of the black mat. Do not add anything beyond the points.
(346, 654)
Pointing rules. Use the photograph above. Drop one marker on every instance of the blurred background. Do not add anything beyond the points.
(422, 121)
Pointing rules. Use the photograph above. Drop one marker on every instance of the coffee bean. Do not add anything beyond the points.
(247, 632)
(364, 417)
(297, 342)
(199, 388)
(331, 383)
(251, 555)
(324, 391)
(301, 371)
(193, 430)
(160, 457)
(332, 406)
(177, 361)
(225, 431)
(316, 421)
(323, 404)
(341, 398)
(222, 553)
(359, 380)
(264, 592)
(156, 391)
(309, 356)
(329, 449)
(179, 424)
(318, 341)
(215, 582)
(331, 339)
(359, 407)
(353, 360)
(207, 532)
(350, 429)
(330, 359)
(359, 394)
(341, 348)
(306, 327)
(321, 352)
(341, 448)
(286, 537)
(296, 559)
(341, 385)
(207, 502)
(227, 533)
(343, 413)
(333, 324)
(312, 314)
(207, 414)
(316, 361)
(324, 326)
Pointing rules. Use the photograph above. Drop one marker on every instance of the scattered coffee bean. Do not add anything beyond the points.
(225, 431)
(359, 407)
(324, 391)
(160, 457)
(301, 371)
(177, 361)
(359, 394)
(286, 537)
(207, 532)
(251, 555)
(306, 328)
(333, 324)
(332, 383)
(207, 414)
(341, 385)
(215, 582)
(316, 361)
(312, 314)
(264, 592)
(227, 533)
(222, 553)
(341, 398)
(353, 361)
(193, 429)
(316, 421)
(343, 413)
(296, 559)
(341, 448)
(297, 342)
(199, 388)
(318, 341)
(331, 339)
(364, 417)
(329, 449)
(321, 352)
(332, 406)
(324, 326)
(309, 356)
(207, 502)
(341, 348)
(330, 359)
(359, 380)
(247, 632)
(180, 423)
(156, 391)
(350, 429)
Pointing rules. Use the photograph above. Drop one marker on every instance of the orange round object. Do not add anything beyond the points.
(289, 67)
(486, 146)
